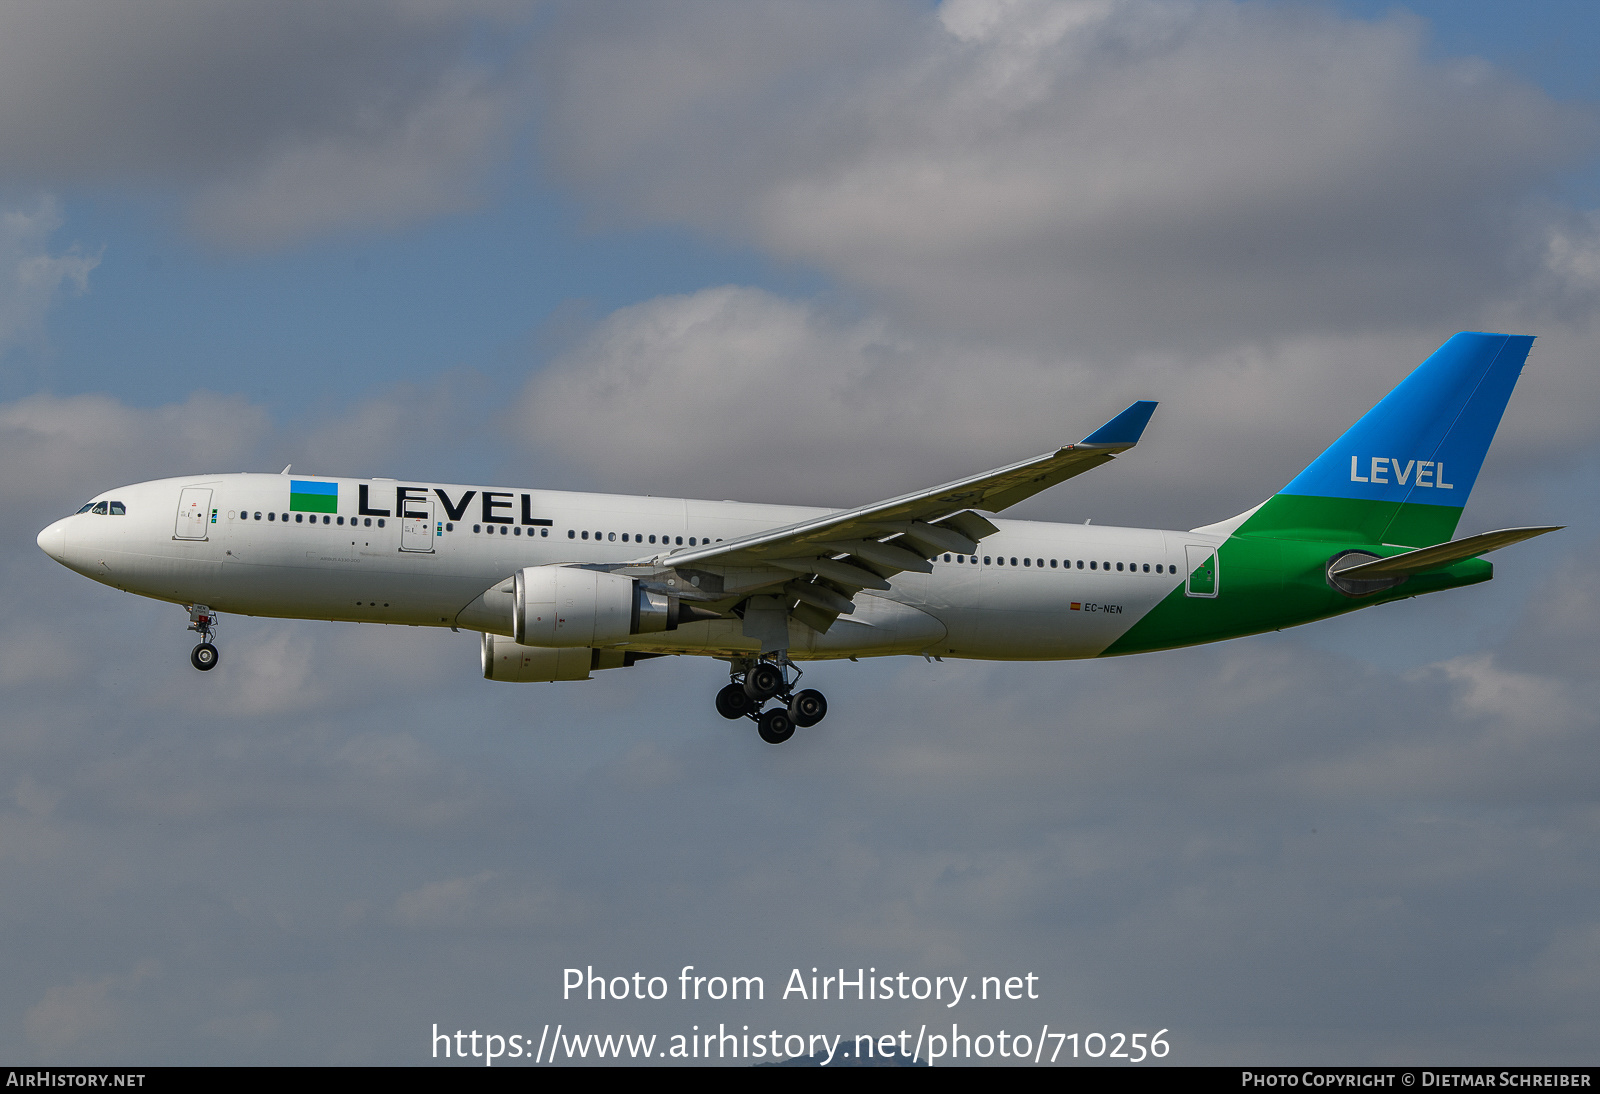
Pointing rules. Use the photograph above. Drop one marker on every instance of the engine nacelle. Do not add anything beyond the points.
(504, 660)
(566, 606)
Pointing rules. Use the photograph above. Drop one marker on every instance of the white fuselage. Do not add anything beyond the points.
(421, 553)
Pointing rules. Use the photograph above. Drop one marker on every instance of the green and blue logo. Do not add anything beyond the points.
(313, 497)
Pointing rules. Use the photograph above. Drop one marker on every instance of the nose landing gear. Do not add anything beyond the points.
(755, 682)
(203, 621)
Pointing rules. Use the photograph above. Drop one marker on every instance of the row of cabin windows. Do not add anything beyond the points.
(300, 518)
(573, 533)
(116, 508)
(104, 508)
(507, 530)
(1064, 564)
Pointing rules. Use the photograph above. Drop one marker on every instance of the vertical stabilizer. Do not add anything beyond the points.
(1403, 472)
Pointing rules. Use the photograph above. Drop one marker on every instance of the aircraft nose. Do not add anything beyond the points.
(53, 541)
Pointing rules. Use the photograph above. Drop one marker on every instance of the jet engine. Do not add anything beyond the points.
(565, 606)
(504, 660)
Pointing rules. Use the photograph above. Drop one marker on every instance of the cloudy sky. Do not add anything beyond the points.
(813, 253)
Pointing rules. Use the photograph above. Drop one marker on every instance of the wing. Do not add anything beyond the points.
(817, 566)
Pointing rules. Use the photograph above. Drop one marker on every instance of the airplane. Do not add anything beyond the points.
(564, 584)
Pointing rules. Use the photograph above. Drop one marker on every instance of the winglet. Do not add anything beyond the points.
(1125, 429)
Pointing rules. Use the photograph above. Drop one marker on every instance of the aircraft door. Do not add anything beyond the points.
(416, 525)
(194, 513)
(1202, 570)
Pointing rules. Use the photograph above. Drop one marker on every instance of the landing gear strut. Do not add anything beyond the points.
(203, 621)
(756, 681)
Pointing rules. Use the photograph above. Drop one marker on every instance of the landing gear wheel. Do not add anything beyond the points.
(732, 702)
(775, 726)
(204, 657)
(807, 708)
(763, 681)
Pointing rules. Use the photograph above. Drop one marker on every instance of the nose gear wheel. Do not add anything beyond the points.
(203, 621)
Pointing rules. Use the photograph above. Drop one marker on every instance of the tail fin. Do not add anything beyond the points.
(1402, 473)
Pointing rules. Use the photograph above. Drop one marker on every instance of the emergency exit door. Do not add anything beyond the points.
(416, 525)
(194, 513)
(1202, 570)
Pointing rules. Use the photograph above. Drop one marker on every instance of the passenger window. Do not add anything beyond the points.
(680, 541)
(1027, 562)
(1092, 565)
(691, 541)
(585, 535)
(986, 560)
(1039, 562)
(272, 516)
(1119, 567)
(380, 522)
(570, 533)
(449, 527)
(258, 516)
(1052, 564)
(947, 558)
(502, 529)
(117, 510)
(340, 520)
(624, 537)
(652, 539)
(544, 533)
(1080, 564)
(1146, 567)
(367, 523)
(1013, 560)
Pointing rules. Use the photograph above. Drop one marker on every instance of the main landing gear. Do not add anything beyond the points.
(203, 621)
(755, 682)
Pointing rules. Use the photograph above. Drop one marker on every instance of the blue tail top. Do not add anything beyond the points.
(1425, 441)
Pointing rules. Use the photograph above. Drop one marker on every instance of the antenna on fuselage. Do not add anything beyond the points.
(285, 470)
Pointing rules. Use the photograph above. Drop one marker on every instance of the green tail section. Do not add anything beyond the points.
(1299, 516)
(1266, 584)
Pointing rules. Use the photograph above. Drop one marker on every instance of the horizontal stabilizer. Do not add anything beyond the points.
(1440, 556)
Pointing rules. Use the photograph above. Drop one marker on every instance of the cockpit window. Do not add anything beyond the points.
(117, 510)
(100, 508)
(88, 505)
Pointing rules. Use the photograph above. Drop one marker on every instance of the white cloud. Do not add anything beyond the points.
(31, 278)
(277, 121)
(70, 1014)
(387, 172)
(56, 448)
(1093, 176)
(736, 392)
